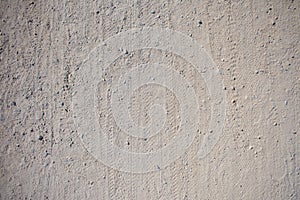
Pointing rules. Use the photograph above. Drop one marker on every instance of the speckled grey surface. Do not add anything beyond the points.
(255, 47)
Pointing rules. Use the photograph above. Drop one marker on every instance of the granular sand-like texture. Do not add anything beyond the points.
(254, 46)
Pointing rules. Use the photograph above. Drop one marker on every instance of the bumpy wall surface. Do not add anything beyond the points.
(150, 99)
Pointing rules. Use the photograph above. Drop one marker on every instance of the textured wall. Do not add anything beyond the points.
(45, 48)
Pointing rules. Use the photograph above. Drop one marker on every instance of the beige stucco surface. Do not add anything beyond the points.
(254, 46)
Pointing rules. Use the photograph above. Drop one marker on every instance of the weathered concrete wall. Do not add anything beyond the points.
(225, 75)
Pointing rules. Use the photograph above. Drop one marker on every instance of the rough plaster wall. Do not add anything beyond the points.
(255, 44)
